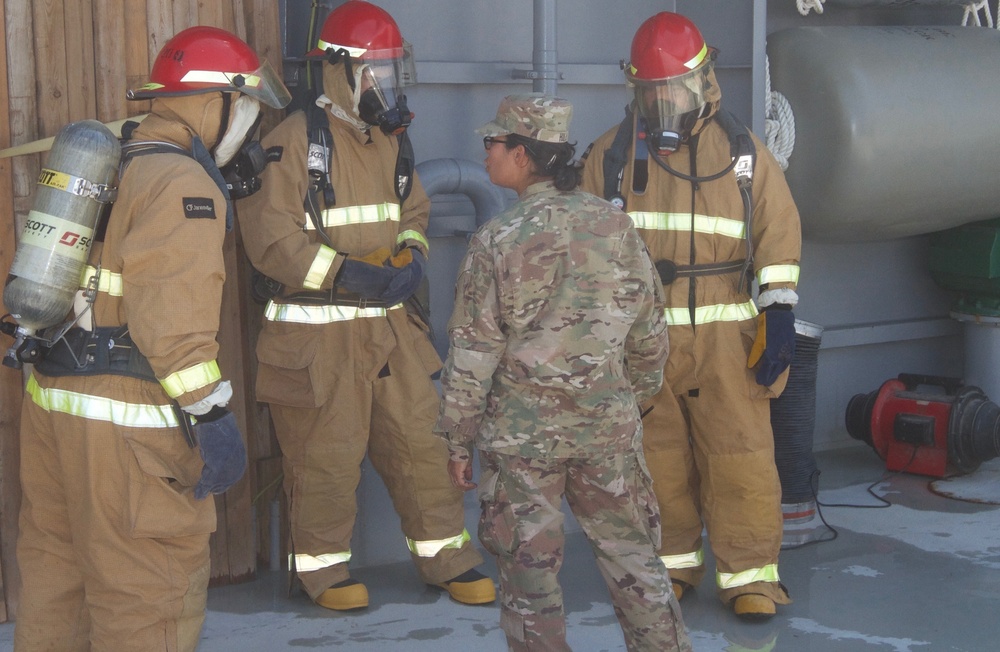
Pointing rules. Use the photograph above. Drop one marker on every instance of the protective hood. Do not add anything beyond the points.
(177, 119)
(713, 99)
(343, 100)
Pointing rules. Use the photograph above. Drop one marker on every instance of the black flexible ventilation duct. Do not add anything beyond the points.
(793, 420)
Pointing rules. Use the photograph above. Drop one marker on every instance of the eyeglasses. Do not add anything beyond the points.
(489, 140)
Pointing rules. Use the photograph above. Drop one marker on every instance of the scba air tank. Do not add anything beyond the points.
(893, 135)
(72, 189)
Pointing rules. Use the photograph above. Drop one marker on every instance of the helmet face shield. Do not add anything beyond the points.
(263, 84)
(666, 105)
(381, 101)
(673, 96)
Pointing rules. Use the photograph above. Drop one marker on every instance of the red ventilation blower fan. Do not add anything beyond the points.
(929, 425)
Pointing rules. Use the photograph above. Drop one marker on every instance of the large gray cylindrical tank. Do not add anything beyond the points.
(899, 4)
(58, 234)
(893, 135)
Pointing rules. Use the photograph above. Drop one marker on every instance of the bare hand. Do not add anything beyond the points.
(461, 475)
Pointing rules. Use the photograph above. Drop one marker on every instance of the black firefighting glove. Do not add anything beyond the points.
(410, 266)
(774, 346)
(368, 280)
(222, 449)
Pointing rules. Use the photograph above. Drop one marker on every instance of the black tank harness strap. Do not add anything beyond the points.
(744, 156)
(105, 350)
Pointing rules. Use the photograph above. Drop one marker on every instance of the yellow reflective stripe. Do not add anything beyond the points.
(192, 378)
(319, 268)
(778, 274)
(291, 312)
(767, 573)
(709, 314)
(413, 235)
(307, 563)
(348, 215)
(706, 224)
(219, 77)
(100, 408)
(108, 282)
(698, 58)
(687, 560)
(431, 548)
(354, 52)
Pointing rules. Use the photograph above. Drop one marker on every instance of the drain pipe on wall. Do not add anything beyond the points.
(544, 74)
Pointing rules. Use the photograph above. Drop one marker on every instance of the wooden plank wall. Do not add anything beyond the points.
(68, 60)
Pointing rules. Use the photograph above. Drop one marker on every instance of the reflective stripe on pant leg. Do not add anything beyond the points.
(767, 573)
(306, 563)
(410, 458)
(687, 560)
(432, 548)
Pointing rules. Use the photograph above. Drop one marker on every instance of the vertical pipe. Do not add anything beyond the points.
(758, 68)
(543, 56)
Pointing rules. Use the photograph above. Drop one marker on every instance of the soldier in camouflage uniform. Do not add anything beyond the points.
(557, 335)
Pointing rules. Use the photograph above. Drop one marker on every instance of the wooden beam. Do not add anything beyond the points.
(79, 45)
(137, 64)
(21, 101)
(50, 66)
(11, 387)
(110, 37)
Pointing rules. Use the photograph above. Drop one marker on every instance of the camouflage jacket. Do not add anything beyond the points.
(557, 332)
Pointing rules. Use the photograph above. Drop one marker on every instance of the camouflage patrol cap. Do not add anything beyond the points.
(534, 115)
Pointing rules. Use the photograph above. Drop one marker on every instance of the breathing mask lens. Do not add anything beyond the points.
(671, 107)
(380, 104)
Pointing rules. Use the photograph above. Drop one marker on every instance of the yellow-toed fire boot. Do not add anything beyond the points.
(753, 607)
(471, 587)
(345, 596)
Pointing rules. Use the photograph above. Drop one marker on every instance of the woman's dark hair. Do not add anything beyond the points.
(551, 160)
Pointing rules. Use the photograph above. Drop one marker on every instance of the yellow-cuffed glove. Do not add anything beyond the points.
(774, 346)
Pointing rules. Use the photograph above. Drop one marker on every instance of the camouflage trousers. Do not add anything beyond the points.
(522, 526)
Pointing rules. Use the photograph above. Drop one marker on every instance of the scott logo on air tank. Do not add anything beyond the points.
(70, 239)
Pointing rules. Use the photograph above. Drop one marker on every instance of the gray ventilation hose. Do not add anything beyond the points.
(457, 176)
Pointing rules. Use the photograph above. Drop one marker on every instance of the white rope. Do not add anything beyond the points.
(972, 10)
(779, 121)
(805, 6)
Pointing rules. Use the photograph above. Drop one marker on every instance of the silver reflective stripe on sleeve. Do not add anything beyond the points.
(320, 268)
(778, 274)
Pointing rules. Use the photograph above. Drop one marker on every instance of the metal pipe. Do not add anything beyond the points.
(543, 56)
(456, 176)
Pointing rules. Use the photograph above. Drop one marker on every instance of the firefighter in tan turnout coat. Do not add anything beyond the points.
(711, 220)
(116, 514)
(344, 365)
